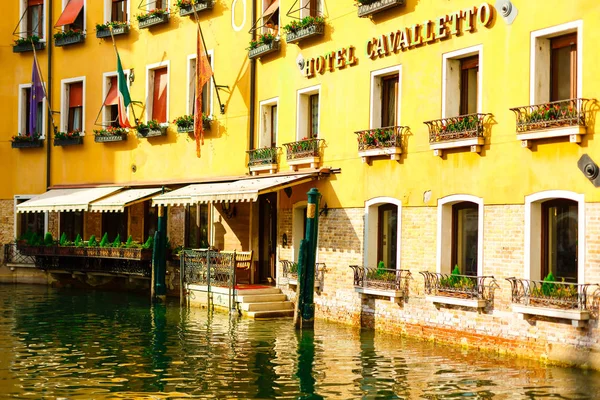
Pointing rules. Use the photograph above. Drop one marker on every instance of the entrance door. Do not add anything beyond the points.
(267, 237)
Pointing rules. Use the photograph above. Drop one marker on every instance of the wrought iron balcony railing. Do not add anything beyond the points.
(381, 279)
(264, 156)
(290, 272)
(12, 255)
(564, 113)
(563, 295)
(454, 128)
(208, 267)
(380, 138)
(303, 149)
(460, 286)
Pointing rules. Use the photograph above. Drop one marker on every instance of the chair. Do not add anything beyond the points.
(243, 263)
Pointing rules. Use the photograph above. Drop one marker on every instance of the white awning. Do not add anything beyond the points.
(117, 202)
(66, 199)
(180, 197)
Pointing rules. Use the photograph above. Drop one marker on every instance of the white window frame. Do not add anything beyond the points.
(64, 103)
(451, 75)
(533, 232)
(265, 128)
(302, 112)
(150, 87)
(108, 10)
(24, 197)
(83, 10)
(105, 81)
(305, 12)
(23, 26)
(22, 111)
(377, 93)
(191, 60)
(152, 5)
(371, 230)
(444, 231)
(539, 74)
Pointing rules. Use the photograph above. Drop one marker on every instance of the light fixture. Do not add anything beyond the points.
(324, 211)
(131, 76)
(228, 209)
(288, 192)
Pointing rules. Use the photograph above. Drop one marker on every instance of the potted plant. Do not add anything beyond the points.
(187, 7)
(456, 285)
(71, 36)
(151, 129)
(554, 294)
(263, 44)
(26, 141)
(68, 138)
(25, 44)
(110, 134)
(153, 17)
(118, 28)
(185, 123)
(304, 28)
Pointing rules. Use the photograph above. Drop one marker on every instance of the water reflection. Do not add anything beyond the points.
(81, 345)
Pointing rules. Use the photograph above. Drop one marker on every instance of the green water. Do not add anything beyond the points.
(93, 345)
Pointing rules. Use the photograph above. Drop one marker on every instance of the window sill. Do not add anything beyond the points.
(272, 168)
(378, 6)
(573, 132)
(26, 47)
(200, 6)
(69, 40)
(578, 318)
(294, 282)
(105, 33)
(392, 152)
(455, 301)
(473, 143)
(394, 295)
(296, 162)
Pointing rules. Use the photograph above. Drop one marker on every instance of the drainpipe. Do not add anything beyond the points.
(252, 85)
(49, 93)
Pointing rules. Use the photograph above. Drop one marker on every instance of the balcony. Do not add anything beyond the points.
(155, 17)
(367, 8)
(551, 120)
(68, 38)
(264, 159)
(263, 48)
(456, 132)
(300, 31)
(200, 5)
(290, 273)
(306, 151)
(380, 142)
(559, 300)
(103, 31)
(459, 290)
(14, 257)
(392, 283)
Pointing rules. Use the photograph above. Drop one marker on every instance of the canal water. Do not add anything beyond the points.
(71, 344)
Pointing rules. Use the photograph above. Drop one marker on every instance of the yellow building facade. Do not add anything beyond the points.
(440, 135)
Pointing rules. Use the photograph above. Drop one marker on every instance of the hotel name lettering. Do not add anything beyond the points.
(411, 37)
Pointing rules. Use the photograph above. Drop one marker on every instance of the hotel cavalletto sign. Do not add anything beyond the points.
(411, 37)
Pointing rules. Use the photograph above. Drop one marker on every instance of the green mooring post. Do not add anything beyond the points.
(159, 258)
(306, 263)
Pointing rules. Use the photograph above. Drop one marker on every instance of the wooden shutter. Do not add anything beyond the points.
(76, 94)
(159, 97)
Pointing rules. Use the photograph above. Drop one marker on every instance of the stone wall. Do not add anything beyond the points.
(176, 225)
(92, 225)
(7, 221)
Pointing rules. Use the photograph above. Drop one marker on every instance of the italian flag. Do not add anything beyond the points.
(123, 95)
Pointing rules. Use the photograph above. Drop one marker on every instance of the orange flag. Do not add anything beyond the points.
(203, 74)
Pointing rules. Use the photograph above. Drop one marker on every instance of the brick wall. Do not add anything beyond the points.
(92, 225)
(7, 221)
(176, 225)
(53, 219)
(232, 233)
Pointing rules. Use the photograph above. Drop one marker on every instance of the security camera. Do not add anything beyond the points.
(590, 169)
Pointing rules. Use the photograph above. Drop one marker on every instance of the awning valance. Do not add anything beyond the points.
(118, 201)
(66, 199)
(182, 196)
(70, 13)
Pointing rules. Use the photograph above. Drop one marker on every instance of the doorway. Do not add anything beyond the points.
(267, 238)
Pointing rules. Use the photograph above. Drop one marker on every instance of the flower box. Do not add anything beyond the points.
(149, 132)
(78, 251)
(374, 7)
(264, 49)
(190, 128)
(69, 141)
(303, 33)
(201, 5)
(153, 20)
(119, 30)
(92, 251)
(27, 144)
(110, 138)
(25, 47)
(68, 40)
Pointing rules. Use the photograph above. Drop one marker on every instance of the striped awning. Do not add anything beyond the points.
(66, 199)
(117, 202)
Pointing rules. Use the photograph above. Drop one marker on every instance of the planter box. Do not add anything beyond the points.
(66, 41)
(68, 142)
(264, 49)
(151, 21)
(27, 145)
(200, 6)
(392, 152)
(110, 138)
(378, 6)
(152, 133)
(122, 30)
(92, 251)
(25, 47)
(309, 31)
(190, 129)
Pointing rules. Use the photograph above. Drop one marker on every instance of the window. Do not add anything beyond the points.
(311, 8)
(118, 11)
(385, 97)
(153, 4)
(207, 95)
(115, 224)
(157, 94)
(29, 223)
(556, 59)
(71, 224)
(465, 221)
(387, 231)
(559, 239)
(308, 113)
(34, 18)
(25, 112)
(73, 15)
(268, 123)
(72, 114)
(270, 18)
(110, 114)
(196, 233)
(388, 100)
(150, 220)
(461, 91)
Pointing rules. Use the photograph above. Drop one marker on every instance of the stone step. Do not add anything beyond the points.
(268, 306)
(246, 292)
(261, 298)
(270, 314)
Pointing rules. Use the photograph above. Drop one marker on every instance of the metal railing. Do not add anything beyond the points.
(555, 114)
(381, 279)
(290, 271)
(380, 138)
(12, 255)
(117, 266)
(266, 155)
(562, 295)
(460, 286)
(303, 148)
(454, 128)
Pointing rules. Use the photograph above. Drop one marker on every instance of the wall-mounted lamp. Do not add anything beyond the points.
(228, 209)
(131, 76)
(324, 211)
(288, 192)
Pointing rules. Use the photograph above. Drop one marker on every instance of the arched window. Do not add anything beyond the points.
(559, 239)
(382, 232)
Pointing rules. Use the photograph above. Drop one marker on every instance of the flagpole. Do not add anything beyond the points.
(110, 28)
(39, 71)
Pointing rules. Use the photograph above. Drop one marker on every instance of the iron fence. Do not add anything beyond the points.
(13, 255)
(460, 286)
(381, 278)
(264, 156)
(125, 267)
(380, 138)
(564, 295)
(290, 271)
(303, 148)
(563, 113)
(453, 128)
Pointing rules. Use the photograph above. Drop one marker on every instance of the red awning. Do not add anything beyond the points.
(32, 3)
(112, 96)
(70, 13)
(271, 10)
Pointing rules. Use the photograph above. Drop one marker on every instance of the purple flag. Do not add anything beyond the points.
(37, 95)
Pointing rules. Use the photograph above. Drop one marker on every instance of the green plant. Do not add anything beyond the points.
(67, 34)
(110, 131)
(104, 241)
(295, 26)
(129, 242)
(157, 12)
(63, 239)
(29, 39)
(293, 268)
(92, 242)
(456, 281)
(78, 241)
(117, 241)
(114, 24)
(67, 135)
(149, 243)
(26, 138)
(48, 239)
(185, 3)
(461, 124)
(187, 121)
(150, 125)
